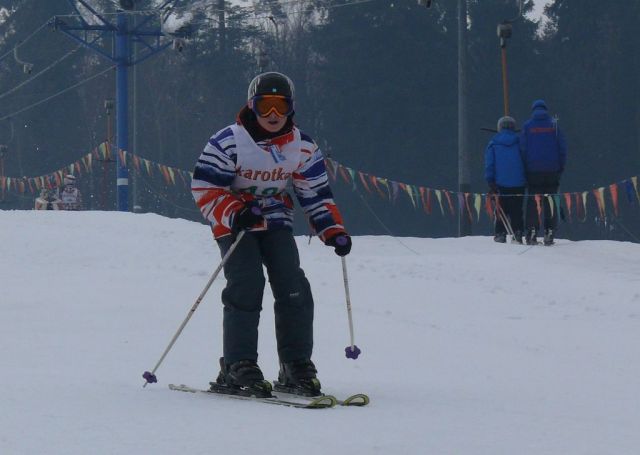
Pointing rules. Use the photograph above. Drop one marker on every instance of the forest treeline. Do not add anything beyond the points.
(376, 87)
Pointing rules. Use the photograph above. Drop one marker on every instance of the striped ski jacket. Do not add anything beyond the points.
(233, 169)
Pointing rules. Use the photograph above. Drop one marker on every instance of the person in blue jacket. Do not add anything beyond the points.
(504, 173)
(544, 151)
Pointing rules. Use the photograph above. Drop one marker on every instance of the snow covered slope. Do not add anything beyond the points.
(469, 347)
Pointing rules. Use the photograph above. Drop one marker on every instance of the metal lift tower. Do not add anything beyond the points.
(147, 33)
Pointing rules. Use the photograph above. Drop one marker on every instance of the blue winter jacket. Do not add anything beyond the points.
(502, 161)
(542, 144)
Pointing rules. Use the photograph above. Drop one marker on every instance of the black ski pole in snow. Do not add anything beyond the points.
(150, 376)
(352, 351)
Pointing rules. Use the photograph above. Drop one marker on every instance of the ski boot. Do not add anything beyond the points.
(548, 237)
(299, 378)
(241, 378)
(517, 237)
(500, 237)
(531, 236)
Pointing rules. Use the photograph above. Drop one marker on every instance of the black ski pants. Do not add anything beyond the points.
(543, 183)
(510, 199)
(242, 296)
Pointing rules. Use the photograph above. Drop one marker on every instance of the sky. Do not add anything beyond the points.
(468, 346)
(539, 5)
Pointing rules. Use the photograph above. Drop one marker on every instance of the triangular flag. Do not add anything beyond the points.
(394, 190)
(478, 205)
(364, 181)
(613, 191)
(468, 205)
(567, 202)
(375, 181)
(352, 174)
(630, 191)
(551, 204)
(385, 182)
(634, 180)
(598, 193)
(343, 172)
(450, 201)
(439, 197)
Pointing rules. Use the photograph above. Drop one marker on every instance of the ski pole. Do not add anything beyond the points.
(149, 376)
(352, 351)
(505, 220)
(503, 217)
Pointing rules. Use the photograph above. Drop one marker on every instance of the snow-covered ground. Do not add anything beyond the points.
(469, 347)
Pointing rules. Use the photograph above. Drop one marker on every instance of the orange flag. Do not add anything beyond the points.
(613, 189)
(567, 201)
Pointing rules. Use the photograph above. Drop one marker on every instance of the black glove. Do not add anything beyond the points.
(493, 188)
(247, 217)
(341, 243)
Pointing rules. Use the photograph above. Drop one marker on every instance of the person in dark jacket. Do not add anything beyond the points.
(504, 173)
(544, 151)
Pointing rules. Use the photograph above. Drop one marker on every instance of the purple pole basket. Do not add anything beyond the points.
(149, 377)
(341, 240)
(352, 352)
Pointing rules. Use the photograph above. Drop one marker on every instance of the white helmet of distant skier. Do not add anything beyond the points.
(70, 179)
(506, 123)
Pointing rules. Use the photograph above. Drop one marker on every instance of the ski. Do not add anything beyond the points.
(358, 399)
(324, 401)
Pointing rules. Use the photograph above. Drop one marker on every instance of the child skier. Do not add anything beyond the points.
(239, 184)
(504, 173)
(69, 195)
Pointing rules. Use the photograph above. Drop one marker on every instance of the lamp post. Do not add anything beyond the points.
(3, 152)
(464, 171)
(505, 30)
(108, 106)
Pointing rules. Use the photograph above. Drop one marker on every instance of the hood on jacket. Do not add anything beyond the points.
(539, 108)
(506, 137)
(538, 104)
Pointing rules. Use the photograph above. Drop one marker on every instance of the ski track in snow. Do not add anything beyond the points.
(469, 347)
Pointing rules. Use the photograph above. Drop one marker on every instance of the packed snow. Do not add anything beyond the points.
(468, 346)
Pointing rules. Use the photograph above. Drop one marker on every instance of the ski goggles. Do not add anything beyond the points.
(264, 105)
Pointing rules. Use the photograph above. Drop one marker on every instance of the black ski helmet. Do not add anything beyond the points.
(271, 83)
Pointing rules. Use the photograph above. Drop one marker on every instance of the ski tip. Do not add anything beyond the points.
(324, 401)
(359, 399)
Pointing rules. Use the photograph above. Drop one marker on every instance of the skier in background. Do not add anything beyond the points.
(239, 184)
(544, 151)
(48, 200)
(70, 195)
(504, 173)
